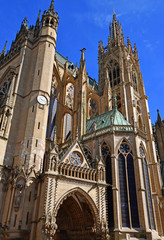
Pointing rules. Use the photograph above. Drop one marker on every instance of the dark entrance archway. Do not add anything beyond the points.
(75, 219)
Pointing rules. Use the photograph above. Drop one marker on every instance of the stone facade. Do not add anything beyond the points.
(78, 159)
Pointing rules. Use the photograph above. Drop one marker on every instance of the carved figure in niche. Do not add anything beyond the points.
(53, 163)
(18, 195)
(69, 95)
(93, 108)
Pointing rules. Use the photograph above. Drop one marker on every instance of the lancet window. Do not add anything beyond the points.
(69, 95)
(146, 182)
(3, 92)
(128, 196)
(52, 114)
(67, 126)
(114, 73)
(107, 159)
(93, 107)
(134, 80)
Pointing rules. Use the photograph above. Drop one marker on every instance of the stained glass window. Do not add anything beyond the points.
(123, 192)
(107, 158)
(114, 73)
(52, 115)
(149, 195)
(128, 193)
(132, 191)
(3, 91)
(148, 198)
(67, 126)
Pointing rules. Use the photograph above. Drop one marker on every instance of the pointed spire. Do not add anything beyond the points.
(82, 54)
(135, 52)
(115, 101)
(129, 44)
(37, 25)
(159, 119)
(51, 8)
(101, 47)
(114, 16)
(77, 133)
(38, 19)
(4, 49)
(82, 60)
(55, 136)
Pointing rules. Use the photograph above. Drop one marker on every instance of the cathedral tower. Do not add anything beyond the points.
(77, 157)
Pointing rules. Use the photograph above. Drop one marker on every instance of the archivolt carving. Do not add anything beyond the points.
(93, 208)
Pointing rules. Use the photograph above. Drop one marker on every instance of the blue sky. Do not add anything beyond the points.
(82, 23)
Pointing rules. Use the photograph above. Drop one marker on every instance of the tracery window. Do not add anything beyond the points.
(114, 73)
(107, 159)
(52, 114)
(69, 95)
(76, 158)
(128, 196)
(134, 80)
(3, 92)
(67, 126)
(88, 154)
(146, 182)
(93, 107)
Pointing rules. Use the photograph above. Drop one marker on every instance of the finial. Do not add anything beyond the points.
(114, 15)
(4, 49)
(115, 101)
(55, 136)
(77, 133)
(25, 22)
(38, 21)
(39, 15)
(82, 53)
(128, 41)
(51, 8)
(159, 119)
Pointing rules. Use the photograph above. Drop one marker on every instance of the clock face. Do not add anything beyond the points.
(42, 99)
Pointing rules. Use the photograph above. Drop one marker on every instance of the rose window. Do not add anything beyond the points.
(76, 158)
(124, 148)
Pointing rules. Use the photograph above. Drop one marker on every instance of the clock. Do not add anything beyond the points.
(42, 99)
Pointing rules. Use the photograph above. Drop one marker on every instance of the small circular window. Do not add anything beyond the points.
(76, 158)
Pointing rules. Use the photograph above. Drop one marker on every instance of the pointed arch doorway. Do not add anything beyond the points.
(75, 219)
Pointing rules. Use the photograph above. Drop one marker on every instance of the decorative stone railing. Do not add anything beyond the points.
(77, 172)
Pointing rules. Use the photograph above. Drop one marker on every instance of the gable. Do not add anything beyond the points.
(75, 156)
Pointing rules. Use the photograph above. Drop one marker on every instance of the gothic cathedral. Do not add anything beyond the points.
(77, 157)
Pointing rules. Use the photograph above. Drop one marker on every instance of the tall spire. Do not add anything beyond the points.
(82, 60)
(159, 119)
(37, 25)
(38, 19)
(4, 49)
(115, 101)
(51, 8)
(115, 32)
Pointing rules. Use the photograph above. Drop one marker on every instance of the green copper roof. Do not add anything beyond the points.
(61, 59)
(104, 120)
